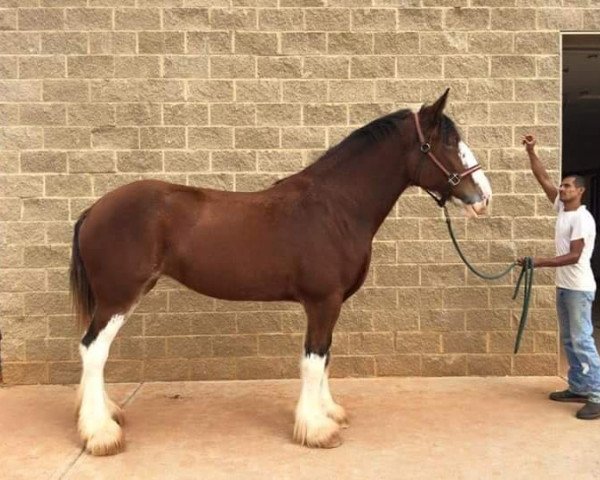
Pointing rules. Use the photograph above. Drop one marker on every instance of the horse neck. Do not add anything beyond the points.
(366, 185)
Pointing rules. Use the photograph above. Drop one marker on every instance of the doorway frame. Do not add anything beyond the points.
(563, 364)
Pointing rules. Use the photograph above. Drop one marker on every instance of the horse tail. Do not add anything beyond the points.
(81, 291)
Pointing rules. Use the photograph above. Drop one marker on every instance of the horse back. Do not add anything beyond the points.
(234, 245)
(282, 243)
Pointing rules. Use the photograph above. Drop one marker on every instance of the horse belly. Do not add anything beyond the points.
(232, 269)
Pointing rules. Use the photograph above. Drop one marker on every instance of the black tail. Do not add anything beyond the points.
(81, 292)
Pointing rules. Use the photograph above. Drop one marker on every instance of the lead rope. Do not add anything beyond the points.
(526, 275)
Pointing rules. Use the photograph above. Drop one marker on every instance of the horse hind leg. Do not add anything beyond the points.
(97, 341)
(100, 419)
(316, 413)
(116, 412)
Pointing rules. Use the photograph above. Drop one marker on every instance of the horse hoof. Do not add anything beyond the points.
(108, 440)
(333, 442)
(321, 433)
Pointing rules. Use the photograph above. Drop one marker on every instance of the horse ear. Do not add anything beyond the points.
(436, 110)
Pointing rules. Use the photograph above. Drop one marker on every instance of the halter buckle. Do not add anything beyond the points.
(425, 147)
(454, 179)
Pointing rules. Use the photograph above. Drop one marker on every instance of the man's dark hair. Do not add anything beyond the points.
(579, 179)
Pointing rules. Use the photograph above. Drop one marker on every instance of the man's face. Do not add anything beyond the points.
(568, 190)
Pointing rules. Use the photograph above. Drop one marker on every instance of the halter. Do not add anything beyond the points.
(453, 178)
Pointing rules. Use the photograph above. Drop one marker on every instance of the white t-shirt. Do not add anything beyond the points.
(575, 225)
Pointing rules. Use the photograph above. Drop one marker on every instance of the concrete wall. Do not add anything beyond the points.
(235, 94)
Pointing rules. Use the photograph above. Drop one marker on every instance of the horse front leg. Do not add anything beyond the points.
(314, 425)
(332, 409)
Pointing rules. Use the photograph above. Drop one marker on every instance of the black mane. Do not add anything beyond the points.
(378, 129)
(360, 139)
(371, 134)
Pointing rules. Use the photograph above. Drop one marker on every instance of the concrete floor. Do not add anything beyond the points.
(413, 428)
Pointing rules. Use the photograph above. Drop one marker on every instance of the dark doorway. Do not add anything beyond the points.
(581, 128)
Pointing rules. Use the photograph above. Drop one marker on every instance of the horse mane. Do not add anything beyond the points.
(375, 131)
(360, 139)
(368, 135)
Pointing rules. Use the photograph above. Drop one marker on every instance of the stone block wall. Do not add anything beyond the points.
(235, 94)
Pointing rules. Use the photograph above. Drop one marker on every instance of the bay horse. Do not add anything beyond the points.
(305, 239)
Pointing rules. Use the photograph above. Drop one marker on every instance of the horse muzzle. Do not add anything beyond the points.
(474, 207)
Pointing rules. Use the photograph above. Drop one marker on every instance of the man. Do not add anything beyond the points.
(575, 285)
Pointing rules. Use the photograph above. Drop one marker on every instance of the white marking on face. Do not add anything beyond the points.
(468, 159)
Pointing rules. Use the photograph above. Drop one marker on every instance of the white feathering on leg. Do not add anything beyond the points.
(332, 409)
(313, 427)
(103, 436)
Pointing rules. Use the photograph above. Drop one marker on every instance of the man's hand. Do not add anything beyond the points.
(521, 261)
(529, 141)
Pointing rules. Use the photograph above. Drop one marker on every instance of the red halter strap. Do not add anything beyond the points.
(453, 178)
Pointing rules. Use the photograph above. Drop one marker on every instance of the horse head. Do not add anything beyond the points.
(444, 164)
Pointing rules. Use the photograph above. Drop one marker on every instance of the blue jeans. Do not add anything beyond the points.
(574, 310)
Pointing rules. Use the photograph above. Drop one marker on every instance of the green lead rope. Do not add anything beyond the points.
(526, 277)
(527, 274)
